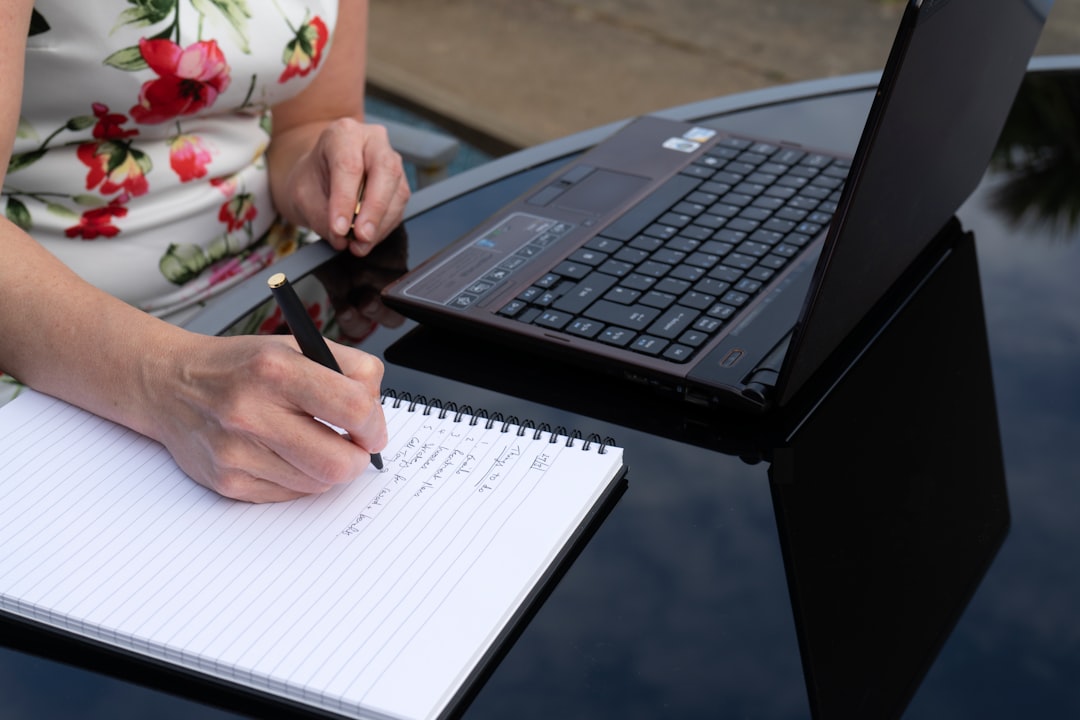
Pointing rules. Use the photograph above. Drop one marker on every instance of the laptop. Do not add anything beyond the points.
(726, 269)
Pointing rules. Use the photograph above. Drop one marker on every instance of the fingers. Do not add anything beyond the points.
(367, 189)
(385, 194)
(246, 425)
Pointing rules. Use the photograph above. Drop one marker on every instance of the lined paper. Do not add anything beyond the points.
(376, 599)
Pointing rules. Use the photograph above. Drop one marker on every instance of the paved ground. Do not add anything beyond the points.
(519, 72)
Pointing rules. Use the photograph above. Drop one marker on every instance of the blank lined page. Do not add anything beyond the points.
(375, 599)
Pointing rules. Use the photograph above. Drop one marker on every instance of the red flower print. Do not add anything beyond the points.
(97, 222)
(275, 323)
(227, 185)
(190, 79)
(303, 53)
(188, 157)
(237, 211)
(108, 124)
(115, 166)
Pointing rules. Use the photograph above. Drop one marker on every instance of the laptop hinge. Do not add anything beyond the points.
(760, 382)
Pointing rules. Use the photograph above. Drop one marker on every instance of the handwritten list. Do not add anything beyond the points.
(376, 599)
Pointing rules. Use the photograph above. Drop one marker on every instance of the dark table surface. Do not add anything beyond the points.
(908, 547)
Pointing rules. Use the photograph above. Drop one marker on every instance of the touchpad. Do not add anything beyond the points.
(600, 192)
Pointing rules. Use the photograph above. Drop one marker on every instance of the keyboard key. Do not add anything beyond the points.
(791, 214)
(694, 338)
(766, 236)
(657, 299)
(573, 270)
(553, 319)
(743, 225)
(704, 198)
(720, 311)
(530, 293)
(727, 274)
(816, 160)
(740, 261)
(703, 260)
(583, 327)
(734, 298)
(622, 295)
(618, 268)
(697, 300)
(678, 353)
(740, 168)
(631, 255)
(668, 256)
(691, 209)
(689, 273)
(750, 247)
(529, 315)
(685, 244)
(739, 200)
(802, 202)
(748, 286)
(636, 281)
(711, 286)
(674, 322)
(513, 308)
(588, 257)
(649, 345)
(663, 232)
(760, 273)
(788, 156)
(635, 317)
(673, 286)
(678, 220)
(780, 192)
(774, 262)
(708, 325)
(755, 213)
(696, 232)
(604, 244)
(734, 142)
(619, 337)
(645, 244)
(581, 295)
(698, 172)
(653, 269)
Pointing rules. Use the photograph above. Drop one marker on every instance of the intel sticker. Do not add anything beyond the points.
(681, 144)
(699, 134)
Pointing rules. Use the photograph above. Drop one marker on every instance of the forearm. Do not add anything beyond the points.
(65, 337)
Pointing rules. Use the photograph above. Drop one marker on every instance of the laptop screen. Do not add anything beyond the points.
(950, 80)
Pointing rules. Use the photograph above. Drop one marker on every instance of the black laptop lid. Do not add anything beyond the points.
(950, 80)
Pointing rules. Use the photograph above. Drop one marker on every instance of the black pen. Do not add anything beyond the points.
(308, 337)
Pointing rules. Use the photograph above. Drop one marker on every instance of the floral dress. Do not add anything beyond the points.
(140, 153)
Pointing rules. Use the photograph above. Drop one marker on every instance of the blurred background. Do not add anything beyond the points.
(505, 74)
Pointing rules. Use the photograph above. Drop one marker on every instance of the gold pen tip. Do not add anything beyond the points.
(276, 280)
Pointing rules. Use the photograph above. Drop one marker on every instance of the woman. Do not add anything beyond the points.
(162, 151)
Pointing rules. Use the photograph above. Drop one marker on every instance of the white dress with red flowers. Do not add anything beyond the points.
(139, 159)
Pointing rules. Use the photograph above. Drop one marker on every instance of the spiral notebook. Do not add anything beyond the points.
(387, 598)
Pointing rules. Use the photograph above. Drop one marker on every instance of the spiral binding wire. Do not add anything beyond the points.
(490, 420)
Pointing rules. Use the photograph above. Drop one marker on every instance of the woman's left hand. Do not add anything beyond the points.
(349, 161)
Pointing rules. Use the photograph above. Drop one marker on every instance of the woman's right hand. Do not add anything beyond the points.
(240, 414)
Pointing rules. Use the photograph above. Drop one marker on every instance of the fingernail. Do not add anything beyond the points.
(359, 249)
(368, 232)
(341, 225)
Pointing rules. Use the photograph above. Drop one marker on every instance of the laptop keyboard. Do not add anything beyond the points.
(666, 276)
